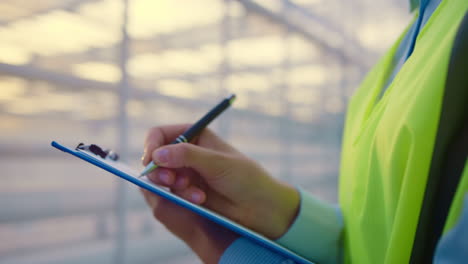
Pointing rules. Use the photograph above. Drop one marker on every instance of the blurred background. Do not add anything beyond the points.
(105, 71)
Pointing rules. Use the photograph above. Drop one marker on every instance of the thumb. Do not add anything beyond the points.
(207, 162)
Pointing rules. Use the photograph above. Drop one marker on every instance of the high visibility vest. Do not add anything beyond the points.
(388, 144)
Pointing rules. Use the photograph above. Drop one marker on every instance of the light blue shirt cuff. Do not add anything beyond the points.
(315, 235)
(316, 232)
(244, 251)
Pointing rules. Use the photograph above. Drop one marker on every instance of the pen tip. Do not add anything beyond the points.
(231, 98)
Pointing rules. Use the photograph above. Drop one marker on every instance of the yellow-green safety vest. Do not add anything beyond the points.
(388, 145)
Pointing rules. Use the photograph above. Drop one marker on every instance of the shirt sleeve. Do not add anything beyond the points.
(453, 246)
(244, 251)
(315, 234)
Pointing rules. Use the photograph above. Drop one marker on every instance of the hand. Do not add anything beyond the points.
(207, 239)
(212, 173)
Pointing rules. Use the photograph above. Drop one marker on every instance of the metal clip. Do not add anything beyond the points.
(96, 150)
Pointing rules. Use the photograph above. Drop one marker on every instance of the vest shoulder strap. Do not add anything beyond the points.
(450, 152)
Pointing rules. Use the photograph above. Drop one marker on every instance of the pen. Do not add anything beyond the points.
(194, 130)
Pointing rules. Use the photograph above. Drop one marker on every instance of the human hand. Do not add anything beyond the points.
(212, 173)
(206, 238)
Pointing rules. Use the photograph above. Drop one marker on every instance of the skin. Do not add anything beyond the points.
(212, 173)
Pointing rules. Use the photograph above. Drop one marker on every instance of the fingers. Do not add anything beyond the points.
(193, 191)
(193, 194)
(174, 217)
(179, 184)
(150, 198)
(176, 179)
(162, 176)
(159, 136)
(208, 163)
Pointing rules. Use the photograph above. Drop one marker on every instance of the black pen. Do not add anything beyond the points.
(194, 130)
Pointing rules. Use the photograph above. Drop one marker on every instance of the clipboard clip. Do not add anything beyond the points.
(96, 150)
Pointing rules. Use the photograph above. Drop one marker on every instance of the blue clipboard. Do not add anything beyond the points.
(130, 175)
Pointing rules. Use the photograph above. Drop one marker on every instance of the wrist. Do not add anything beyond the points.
(280, 209)
(288, 207)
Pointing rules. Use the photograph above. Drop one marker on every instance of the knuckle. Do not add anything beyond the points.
(208, 131)
(183, 151)
(223, 158)
(152, 131)
(153, 135)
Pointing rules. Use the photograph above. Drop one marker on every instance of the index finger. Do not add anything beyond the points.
(160, 136)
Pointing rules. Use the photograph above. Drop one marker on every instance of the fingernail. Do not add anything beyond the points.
(165, 177)
(144, 155)
(162, 155)
(196, 197)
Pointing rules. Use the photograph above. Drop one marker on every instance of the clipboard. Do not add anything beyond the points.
(121, 170)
